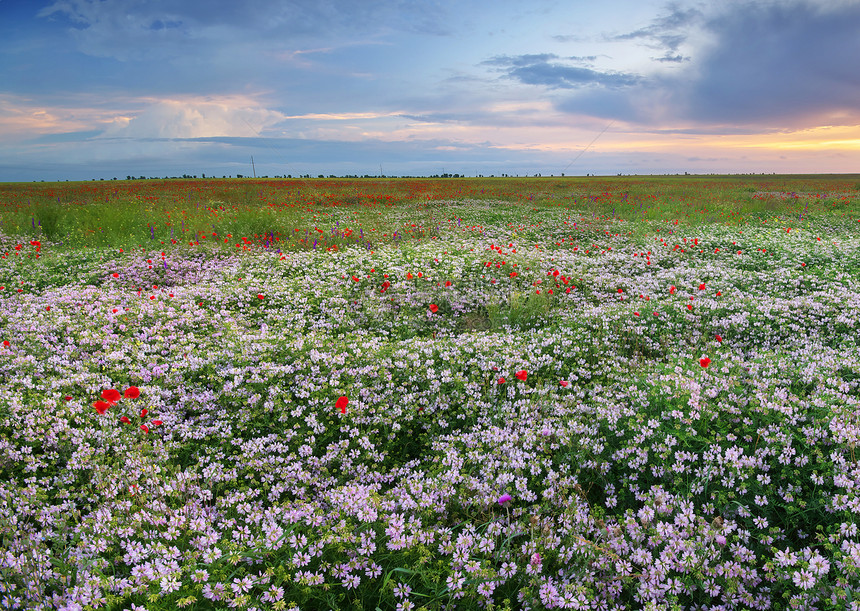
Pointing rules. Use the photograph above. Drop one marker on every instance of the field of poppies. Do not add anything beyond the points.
(402, 394)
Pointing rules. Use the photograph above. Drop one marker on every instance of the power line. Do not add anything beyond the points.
(611, 123)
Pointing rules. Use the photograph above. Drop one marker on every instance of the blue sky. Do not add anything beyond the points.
(110, 88)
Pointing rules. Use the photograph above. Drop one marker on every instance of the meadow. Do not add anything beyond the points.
(536, 393)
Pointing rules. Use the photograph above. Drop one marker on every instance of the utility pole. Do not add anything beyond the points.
(253, 169)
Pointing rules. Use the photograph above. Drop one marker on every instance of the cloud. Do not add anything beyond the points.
(195, 118)
(757, 63)
(550, 70)
(790, 63)
(131, 30)
(667, 33)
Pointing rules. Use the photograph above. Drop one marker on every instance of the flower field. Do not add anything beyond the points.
(498, 394)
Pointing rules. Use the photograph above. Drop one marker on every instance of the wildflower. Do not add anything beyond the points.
(434, 308)
(672, 289)
(704, 362)
(260, 296)
(564, 383)
(341, 404)
(522, 375)
(157, 423)
(111, 395)
(125, 420)
(505, 498)
(144, 428)
(702, 287)
(719, 338)
(101, 407)
(132, 392)
(500, 381)
(803, 579)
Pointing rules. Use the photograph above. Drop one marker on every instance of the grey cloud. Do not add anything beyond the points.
(543, 69)
(131, 30)
(668, 31)
(766, 65)
(779, 62)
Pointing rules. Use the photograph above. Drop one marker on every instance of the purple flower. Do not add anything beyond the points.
(505, 498)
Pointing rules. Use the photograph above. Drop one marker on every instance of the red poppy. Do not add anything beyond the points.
(522, 375)
(157, 423)
(260, 296)
(67, 398)
(635, 313)
(115, 275)
(434, 308)
(111, 395)
(447, 283)
(144, 428)
(144, 412)
(500, 381)
(5, 343)
(702, 287)
(341, 404)
(564, 383)
(132, 392)
(125, 420)
(101, 407)
(719, 337)
(704, 362)
(672, 290)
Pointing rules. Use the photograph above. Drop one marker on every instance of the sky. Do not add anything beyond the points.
(94, 89)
